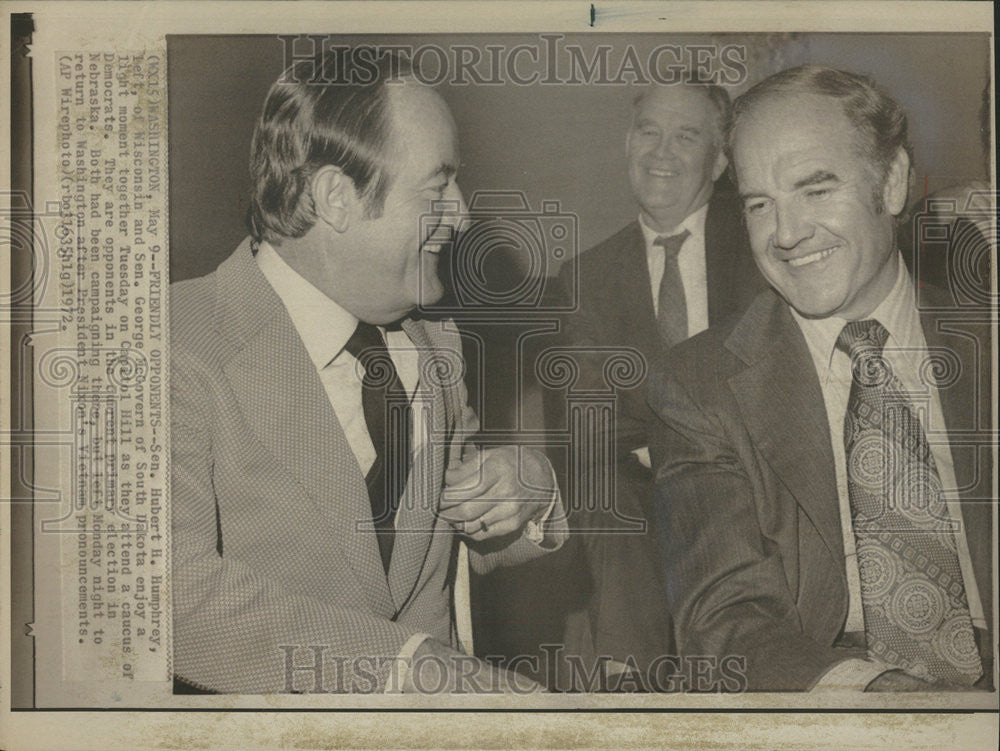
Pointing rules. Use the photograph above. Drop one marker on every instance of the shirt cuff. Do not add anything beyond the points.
(401, 666)
(534, 530)
(642, 455)
(613, 667)
(854, 674)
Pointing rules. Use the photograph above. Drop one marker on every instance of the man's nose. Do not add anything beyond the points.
(457, 215)
(791, 227)
(449, 218)
(664, 147)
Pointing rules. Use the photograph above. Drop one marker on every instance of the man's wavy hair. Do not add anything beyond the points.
(879, 120)
(331, 109)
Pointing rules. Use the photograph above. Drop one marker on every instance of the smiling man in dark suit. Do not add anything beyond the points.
(824, 481)
(322, 472)
(684, 264)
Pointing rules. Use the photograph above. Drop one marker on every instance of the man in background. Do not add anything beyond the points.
(681, 266)
(321, 467)
(824, 479)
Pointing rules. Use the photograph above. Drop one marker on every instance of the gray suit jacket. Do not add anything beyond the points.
(751, 544)
(270, 546)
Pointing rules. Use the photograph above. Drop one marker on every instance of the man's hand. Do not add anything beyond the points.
(438, 669)
(497, 491)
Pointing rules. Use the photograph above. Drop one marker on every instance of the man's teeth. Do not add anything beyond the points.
(662, 173)
(811, 258)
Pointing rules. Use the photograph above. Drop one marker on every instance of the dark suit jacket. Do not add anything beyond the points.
(620, 606)
(269, 502)
(751, 542)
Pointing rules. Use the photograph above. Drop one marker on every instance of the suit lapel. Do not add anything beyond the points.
(285, 404)
(417, 515)
(782, 404)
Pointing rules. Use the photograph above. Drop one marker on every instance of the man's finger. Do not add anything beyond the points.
(484, 467)
(466, 510)
(501, 513)
(478, 530)
(466, 473)
(480, 488)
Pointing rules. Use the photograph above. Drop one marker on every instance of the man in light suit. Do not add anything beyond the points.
(633, 292)
(824, 463)
(321, 468)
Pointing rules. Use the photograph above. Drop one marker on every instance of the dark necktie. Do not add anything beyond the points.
(388, 417)
(671, 316)
(912, 590)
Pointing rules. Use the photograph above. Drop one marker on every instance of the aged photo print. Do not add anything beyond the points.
(614, 364)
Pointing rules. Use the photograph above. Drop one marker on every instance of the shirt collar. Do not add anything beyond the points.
(897, 312)
(322, 324)
(693, 223)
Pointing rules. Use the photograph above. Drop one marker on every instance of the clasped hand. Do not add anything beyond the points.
(496, 491)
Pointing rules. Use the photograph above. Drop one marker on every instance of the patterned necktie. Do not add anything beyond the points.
(671, 316)
(912, 591)
(388, 417)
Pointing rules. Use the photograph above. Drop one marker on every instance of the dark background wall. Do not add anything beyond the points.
(563, 143)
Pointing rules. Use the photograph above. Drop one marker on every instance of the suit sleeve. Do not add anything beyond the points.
(725, 580)
(488, 555)
(233, 626)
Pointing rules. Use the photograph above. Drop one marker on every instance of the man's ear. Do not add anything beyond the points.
(334, 197)
(721, 162)
(897, 183)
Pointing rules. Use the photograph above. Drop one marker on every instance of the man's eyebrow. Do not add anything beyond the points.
(817, 177)
(443, 170)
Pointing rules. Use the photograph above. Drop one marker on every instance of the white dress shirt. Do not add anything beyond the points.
(905, 350)
(690, 262)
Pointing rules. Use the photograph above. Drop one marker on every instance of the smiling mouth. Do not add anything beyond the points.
(662, 173)
(436, 245)
(819, 255)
